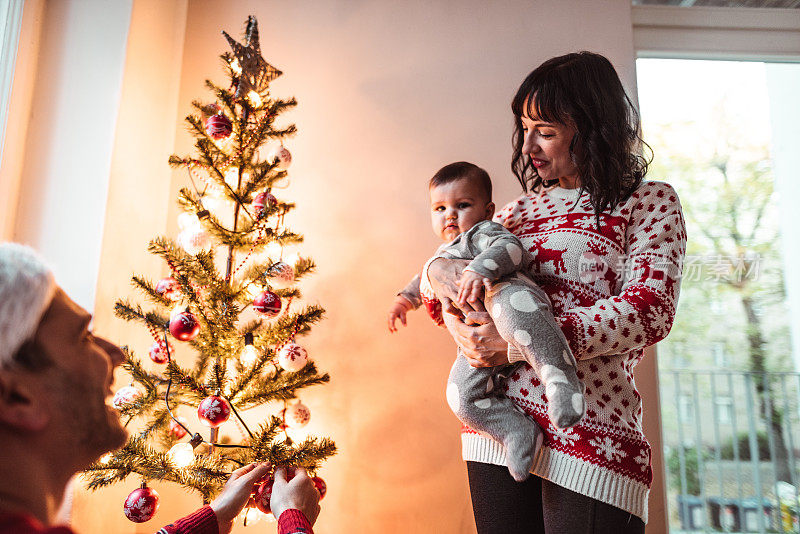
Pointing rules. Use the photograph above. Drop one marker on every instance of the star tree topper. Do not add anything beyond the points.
(256, 73)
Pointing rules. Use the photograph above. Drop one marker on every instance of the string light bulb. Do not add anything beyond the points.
(249, 354)
(104, 459)
(255, 99)
(181, 454)
(236, 67)
(251, 516)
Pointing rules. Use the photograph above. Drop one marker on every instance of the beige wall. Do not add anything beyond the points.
(388, 92)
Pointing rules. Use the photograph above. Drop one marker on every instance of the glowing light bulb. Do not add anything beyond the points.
(104, 459)
(255, 99)
(236, 67)
(292, 258)
(181, 454)
(251, 516)
(187, 220)
(254, 290)
(273, 249)
(232, 177)
(249, 355)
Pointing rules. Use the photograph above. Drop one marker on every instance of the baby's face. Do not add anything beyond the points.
(458, 206)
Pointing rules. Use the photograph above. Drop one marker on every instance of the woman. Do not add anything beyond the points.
(608, 249)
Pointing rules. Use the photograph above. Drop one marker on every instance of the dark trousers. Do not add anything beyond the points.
(503, 506)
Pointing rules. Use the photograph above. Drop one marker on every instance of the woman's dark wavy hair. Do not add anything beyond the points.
(583, 89)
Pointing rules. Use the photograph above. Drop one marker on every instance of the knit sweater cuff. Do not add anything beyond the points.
(293, 522)
(203, 521)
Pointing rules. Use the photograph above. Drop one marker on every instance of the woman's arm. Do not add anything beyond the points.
(475, 333)
(643, 312)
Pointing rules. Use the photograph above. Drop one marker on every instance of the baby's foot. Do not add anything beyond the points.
(565, 402)
(521, 449)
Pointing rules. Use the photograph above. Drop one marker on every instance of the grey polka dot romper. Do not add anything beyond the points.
(521, 312)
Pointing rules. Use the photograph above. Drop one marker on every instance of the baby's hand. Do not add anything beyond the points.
(470, 287)
(398, 311)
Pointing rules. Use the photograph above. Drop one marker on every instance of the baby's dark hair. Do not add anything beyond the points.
(463, 170)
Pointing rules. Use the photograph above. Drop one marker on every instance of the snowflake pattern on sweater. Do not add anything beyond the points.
(614, 291)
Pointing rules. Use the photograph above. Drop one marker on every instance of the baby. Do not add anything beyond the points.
(461, 213)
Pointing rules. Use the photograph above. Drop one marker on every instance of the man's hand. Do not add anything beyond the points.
(399, 308)
(236, 493)
(471, 286)
(298, 493)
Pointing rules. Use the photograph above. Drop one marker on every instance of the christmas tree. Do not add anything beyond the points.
(232, 298)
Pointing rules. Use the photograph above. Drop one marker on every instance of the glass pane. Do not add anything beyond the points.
(724, 134)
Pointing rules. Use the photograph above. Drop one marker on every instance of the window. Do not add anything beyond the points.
(724, 410)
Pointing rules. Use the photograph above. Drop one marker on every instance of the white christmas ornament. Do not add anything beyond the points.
(292, 357)
(124, 396)
(194, 240)
(297, 415)
(283, 156)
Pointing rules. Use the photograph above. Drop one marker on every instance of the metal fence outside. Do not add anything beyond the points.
(730, 441)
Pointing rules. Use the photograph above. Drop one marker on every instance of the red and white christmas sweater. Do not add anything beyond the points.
(614, 292)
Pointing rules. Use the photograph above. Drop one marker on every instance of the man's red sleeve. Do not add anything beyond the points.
(203, 521)
(294, 522)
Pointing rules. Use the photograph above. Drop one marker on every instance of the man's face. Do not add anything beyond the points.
(78, 383)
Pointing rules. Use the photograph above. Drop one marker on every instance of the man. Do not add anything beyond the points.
(56, 418)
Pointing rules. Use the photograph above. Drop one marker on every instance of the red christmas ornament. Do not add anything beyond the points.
(184, 326)
(141, 504)
(322, 488)
(169, 288)
(177, 430)
(263, 201)
(213, 411)
(157, 354)
(267, 303)
(219, 126)
(263, 495)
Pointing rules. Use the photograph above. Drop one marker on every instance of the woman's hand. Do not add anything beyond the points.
(444, 275)
(236, 493)
(477, 336)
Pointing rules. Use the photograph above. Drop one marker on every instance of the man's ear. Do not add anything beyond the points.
(490, 210)
(21, 405)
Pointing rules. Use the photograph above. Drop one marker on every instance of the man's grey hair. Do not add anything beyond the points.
(27, 287)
